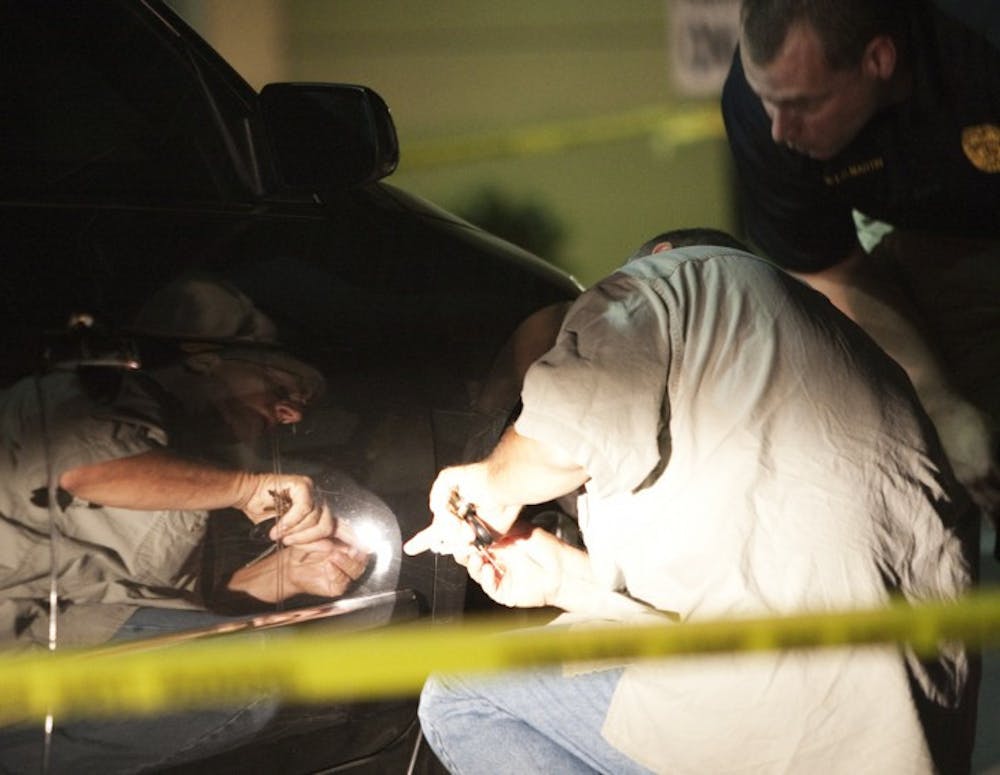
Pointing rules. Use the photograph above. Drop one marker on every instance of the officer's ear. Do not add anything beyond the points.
(202, 362)
(879, 58)
(659, 247)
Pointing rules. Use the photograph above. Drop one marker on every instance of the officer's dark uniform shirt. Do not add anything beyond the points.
(930, 163)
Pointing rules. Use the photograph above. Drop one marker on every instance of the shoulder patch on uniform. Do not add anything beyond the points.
(981, 144)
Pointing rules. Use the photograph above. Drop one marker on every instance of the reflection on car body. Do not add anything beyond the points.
(134, 155)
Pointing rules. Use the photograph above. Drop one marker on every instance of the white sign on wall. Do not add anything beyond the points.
(702, 38)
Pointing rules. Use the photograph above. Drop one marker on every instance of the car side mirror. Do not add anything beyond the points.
(328, 136)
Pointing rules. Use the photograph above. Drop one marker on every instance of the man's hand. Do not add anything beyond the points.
(521, 571)
(325, 568)
(517, 472)
(304, 517)
(448, 533)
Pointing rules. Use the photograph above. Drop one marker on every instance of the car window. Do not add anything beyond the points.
(92, 107)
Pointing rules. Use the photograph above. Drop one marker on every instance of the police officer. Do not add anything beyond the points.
(866, 136)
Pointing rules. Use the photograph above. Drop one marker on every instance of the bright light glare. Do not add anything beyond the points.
(375, 539)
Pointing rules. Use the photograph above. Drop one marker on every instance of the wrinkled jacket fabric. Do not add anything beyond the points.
(751, 453)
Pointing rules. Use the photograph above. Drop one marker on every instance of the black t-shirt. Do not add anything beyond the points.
(930, 163)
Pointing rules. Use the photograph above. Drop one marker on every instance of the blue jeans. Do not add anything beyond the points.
(537, 721)
(142, 744)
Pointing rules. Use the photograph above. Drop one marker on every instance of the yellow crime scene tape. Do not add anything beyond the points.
(311, 666)
(668, 127)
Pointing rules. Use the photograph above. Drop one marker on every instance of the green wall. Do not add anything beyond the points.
(464, 69)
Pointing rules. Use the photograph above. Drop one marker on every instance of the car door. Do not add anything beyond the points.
(134, 155)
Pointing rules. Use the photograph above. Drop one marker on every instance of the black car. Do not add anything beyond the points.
(133, 154)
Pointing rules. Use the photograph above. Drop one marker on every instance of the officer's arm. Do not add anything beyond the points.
(856, 288)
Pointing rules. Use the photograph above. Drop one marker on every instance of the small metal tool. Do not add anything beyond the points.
(484, 537)
(466, 510)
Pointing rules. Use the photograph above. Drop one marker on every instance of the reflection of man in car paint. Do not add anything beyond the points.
(132, 495)
(131, 508)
